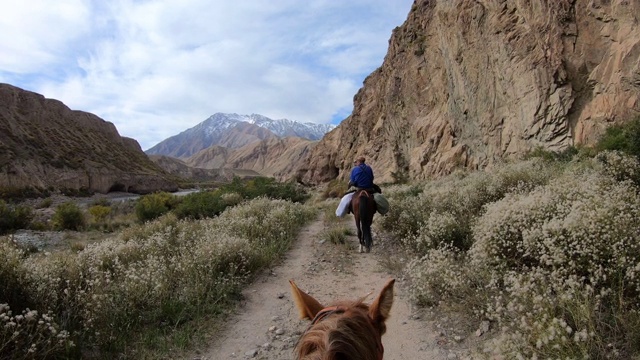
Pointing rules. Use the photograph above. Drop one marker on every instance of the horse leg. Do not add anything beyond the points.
(366, 217)
(370, 224)
(359, 235)
(366, 234)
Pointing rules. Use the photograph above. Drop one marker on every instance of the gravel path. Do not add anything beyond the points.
(266, 326)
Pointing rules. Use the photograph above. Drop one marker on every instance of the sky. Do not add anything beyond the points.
(155, 68)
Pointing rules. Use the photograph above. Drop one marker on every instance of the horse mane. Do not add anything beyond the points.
(349, 335)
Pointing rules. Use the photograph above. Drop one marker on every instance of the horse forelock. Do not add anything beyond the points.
(346, 334)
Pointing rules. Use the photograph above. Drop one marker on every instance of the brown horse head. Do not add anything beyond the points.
(344, 330)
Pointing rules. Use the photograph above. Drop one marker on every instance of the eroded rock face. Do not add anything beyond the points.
(44, 144)
(273, 157)
(466, 83)
(180, 169)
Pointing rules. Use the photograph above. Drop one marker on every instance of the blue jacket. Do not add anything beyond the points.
(362, 176)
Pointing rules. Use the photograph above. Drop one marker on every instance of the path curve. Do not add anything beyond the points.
(266, 325)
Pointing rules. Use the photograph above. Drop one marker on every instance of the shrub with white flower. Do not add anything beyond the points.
(585, 225)
(441, 278)
(159, 274)
(31, 335)
(619, 166)
(442, 211)
(554, 254)
(569, 251)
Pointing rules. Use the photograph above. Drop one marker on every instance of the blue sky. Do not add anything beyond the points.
(156, 68)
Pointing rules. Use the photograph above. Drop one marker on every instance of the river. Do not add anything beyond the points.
(119, 197)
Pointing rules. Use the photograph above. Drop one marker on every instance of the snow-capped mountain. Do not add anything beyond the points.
(286, 127)
(234, 131)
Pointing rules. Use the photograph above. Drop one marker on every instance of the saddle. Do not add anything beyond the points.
(382, 205)
(372, 190)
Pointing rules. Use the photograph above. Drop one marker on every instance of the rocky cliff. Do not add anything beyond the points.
(44, 144)
(466, 83)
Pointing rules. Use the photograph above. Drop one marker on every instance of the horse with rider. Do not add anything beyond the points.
(363, 200)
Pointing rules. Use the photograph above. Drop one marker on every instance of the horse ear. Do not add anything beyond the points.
(307, 305)
(381, 306)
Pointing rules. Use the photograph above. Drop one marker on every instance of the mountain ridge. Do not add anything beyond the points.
(234, 131)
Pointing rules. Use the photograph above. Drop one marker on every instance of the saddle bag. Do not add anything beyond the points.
(381, 203)
(343, 207)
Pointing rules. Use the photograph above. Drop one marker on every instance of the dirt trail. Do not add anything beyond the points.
(267, 326)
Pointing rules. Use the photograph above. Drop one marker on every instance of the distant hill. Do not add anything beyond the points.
(234, 131)
(179, 168)
(273, 157)
(44, 144)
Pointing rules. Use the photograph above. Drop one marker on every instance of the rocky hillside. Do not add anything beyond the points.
(215, 174)
(275, 157)
(466, 83)
(44, 144)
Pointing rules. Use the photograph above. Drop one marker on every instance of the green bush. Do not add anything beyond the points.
(39, 226)
(200, 205)
(81, 192)
(152, 206)
(68, 216)
(623, 137)
(14, 218)
(563, 156)
(45, 203)
(263, 186)
(99, 212)
(231, 199)
(286, 191)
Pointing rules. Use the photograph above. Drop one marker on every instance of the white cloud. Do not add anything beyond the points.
(36, 34)
(155, 68)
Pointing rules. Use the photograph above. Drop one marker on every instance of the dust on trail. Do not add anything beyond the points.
(267, 325)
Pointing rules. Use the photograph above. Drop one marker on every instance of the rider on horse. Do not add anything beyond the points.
(361, 176)
(361, 179)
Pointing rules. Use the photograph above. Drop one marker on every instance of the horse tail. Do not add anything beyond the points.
(365, 217)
